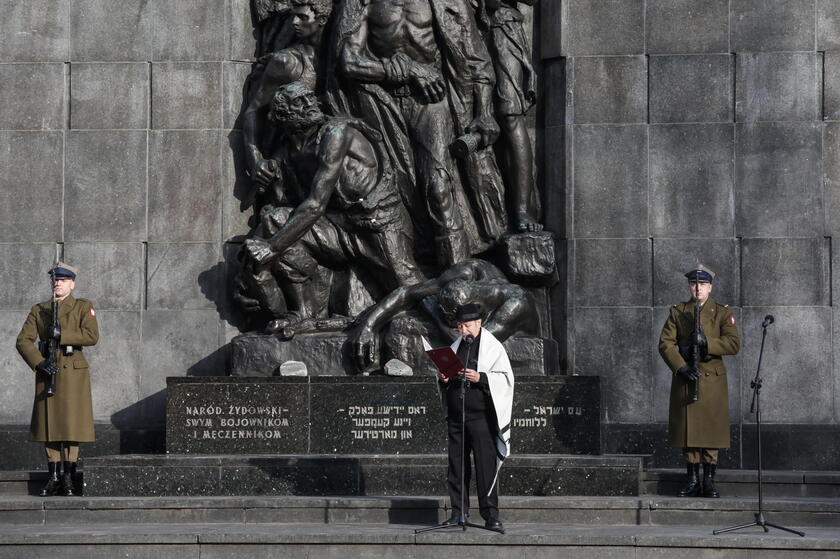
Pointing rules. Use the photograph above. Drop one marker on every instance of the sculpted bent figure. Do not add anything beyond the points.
(295, 63)
(350, 212)
(434, 81)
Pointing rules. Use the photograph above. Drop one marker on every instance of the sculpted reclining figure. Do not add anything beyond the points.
(507, 307)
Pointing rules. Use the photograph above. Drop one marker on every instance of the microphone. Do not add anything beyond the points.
(768, 320)
(469, 339)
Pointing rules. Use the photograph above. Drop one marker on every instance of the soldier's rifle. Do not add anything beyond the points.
(695, 352)
(53, 333)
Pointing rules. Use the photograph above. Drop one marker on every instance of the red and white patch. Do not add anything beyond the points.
(93, 312)
(732, 321)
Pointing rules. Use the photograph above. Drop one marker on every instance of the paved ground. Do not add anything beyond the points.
(516, 534)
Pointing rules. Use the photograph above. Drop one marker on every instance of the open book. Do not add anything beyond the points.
(444, 359)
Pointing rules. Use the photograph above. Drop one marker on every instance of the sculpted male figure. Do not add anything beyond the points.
(423, 76)
(295, 63)
(349, 211)
(271, 26)
(514, 95)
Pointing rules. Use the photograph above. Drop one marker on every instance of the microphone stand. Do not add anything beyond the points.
(462, 518)
(755, 407)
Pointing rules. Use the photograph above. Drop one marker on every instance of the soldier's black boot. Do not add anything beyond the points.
(693, 488)
(709, 489)
(51, 487)
(67, 488)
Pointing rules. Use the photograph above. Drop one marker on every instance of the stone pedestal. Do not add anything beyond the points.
(328, 353)
(362, 435)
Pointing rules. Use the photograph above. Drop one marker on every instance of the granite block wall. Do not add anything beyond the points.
(668, 131)
(117, 135)
(699, 131)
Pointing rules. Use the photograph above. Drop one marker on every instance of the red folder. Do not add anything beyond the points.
(446, 361)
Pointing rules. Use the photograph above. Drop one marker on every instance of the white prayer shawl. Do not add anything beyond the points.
(494, 362)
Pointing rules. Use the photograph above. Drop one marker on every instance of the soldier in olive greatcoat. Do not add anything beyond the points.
(699, 427)
(64, 419)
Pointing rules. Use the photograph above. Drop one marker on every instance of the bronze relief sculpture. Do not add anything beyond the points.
(391, 164)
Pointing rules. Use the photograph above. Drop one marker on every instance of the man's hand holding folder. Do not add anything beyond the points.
(448, 364)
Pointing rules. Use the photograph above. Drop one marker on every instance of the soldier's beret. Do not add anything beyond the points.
(700, 274)
(63, 270)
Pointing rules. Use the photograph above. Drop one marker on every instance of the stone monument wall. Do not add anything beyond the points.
(673, 129)
(699, 130)
(117, 135)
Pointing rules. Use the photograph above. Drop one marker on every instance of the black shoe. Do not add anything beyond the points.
(693, 488)
(709, 489)
(67, 479)
(495, 525)
(52, 485)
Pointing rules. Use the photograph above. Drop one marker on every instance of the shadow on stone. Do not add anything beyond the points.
(405, 511)
(295, 476)
(215, 364)
(223, 273)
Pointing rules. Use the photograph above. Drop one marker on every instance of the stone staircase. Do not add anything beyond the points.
(648, 524)
(603, 511)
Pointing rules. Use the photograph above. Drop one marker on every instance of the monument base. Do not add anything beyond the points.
(201, 475)
(329, 354)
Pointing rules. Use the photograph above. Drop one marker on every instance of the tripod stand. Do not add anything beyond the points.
(755, 407)
(462, 523)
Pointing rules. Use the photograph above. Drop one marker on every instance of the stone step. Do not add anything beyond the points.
(731, 483)
(348, 475)
(333, 541)
(643, 511)
(21, 482)
(743, 483)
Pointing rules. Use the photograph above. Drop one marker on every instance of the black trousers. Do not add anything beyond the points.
(481, 443)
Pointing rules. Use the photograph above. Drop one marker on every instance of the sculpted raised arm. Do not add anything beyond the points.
(353, 59)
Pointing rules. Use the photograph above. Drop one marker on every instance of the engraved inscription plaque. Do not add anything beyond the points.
(365, 415)
(223, 416)
(380, 415)
(559, 415)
